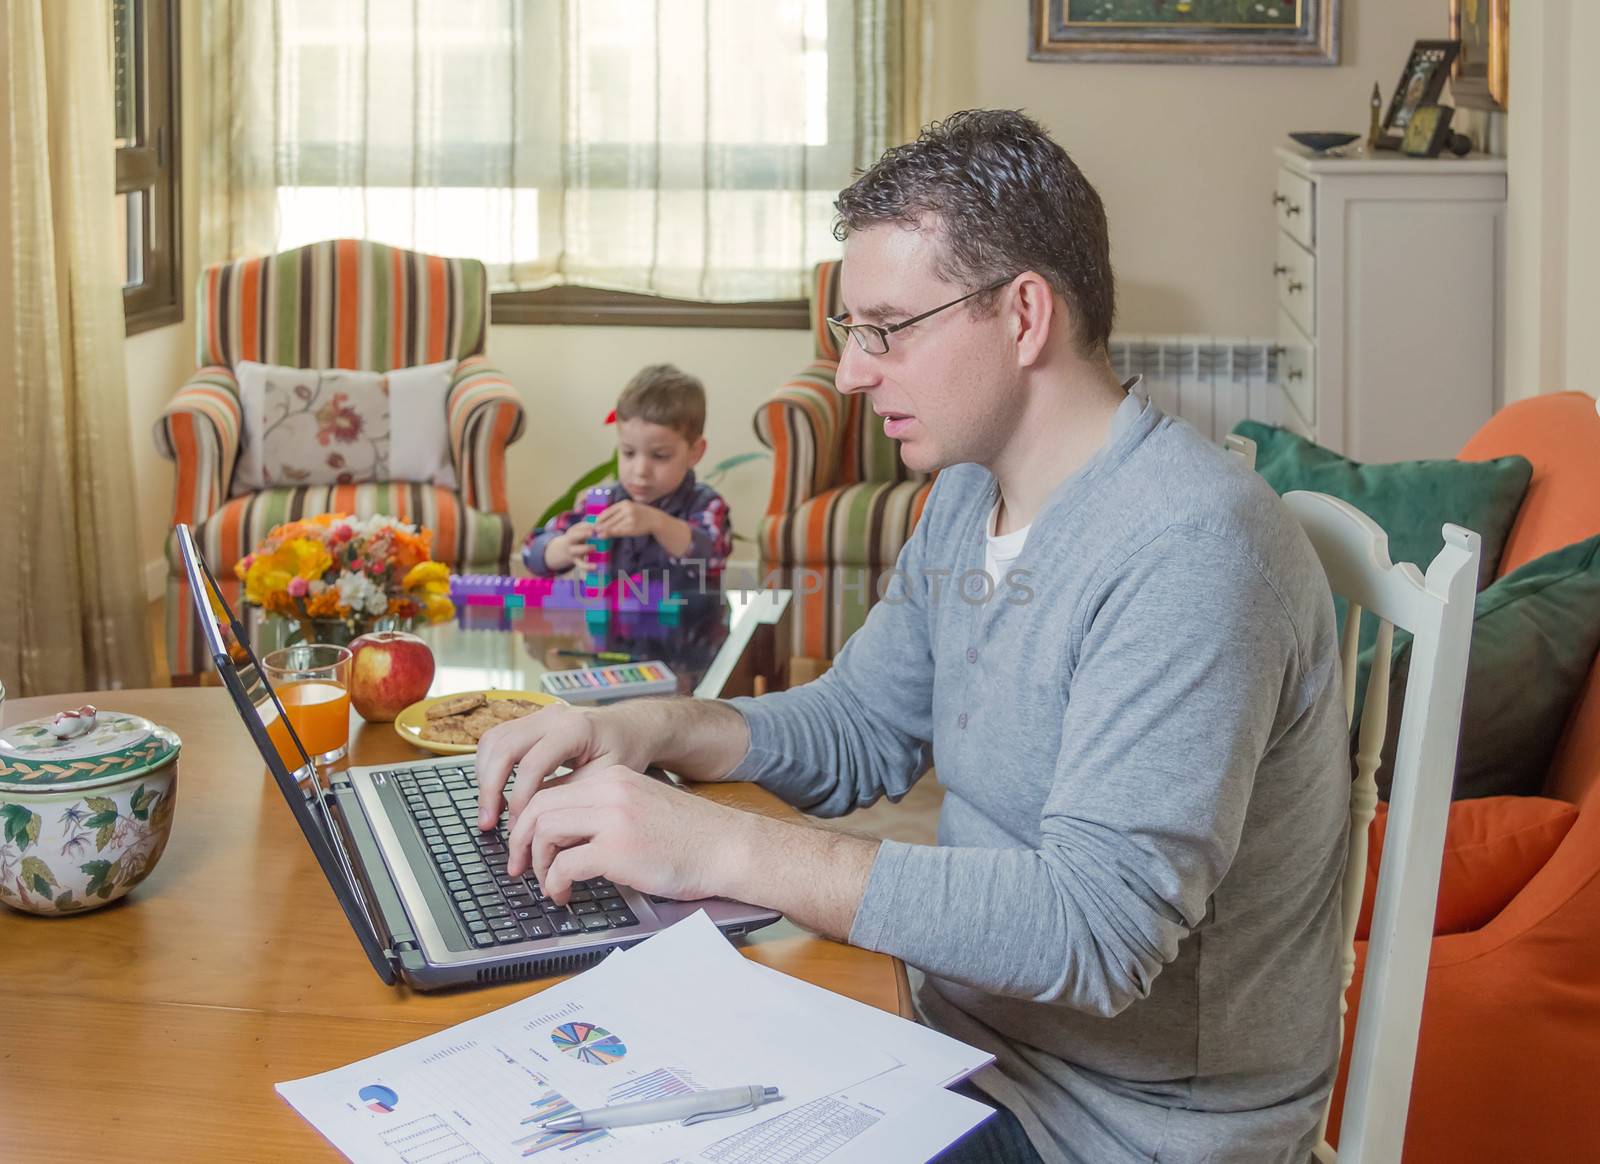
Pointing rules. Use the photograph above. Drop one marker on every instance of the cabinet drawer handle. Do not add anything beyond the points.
(1278, 350)
(1295, 287)
(1292, 208)
(1279, 269)
(1279, 199)
(1296, 373)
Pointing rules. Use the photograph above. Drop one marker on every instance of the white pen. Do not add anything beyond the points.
(691, 1109)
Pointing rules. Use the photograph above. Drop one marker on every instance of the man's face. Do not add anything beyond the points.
(652, 459)
(946, 387)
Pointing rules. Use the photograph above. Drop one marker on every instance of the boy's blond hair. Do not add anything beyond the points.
(664, 394)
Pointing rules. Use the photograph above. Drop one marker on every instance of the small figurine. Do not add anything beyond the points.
(69, 725)
(1373, 132)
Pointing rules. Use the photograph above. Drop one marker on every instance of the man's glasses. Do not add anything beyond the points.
(874, 340)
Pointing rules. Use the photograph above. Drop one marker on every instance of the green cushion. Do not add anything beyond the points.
(1410, 500)
(1534, 637)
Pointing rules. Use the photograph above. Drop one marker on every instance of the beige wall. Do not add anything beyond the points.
(1553, 234)
(1181, 154)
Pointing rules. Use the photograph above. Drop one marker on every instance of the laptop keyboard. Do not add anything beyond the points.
(495, 908)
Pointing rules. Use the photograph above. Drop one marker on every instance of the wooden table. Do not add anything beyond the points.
(154, 1028)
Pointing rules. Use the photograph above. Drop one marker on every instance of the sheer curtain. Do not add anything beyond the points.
(71, 577)
(684, 148)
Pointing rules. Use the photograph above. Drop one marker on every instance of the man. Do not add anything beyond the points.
(1134, 901)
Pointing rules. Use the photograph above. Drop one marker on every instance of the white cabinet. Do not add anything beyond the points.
(1390, 273)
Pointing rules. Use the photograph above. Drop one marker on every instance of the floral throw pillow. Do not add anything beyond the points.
(304, 426)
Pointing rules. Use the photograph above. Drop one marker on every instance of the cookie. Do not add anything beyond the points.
(455, 705)
(512, 708)
(448, 730)
(477, 721)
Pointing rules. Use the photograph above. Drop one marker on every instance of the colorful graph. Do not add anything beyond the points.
(548, 1106)
(590, 1043)
(379, 1098)
(662, 1083)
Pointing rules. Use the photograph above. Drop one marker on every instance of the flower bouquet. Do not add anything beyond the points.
(338, 576)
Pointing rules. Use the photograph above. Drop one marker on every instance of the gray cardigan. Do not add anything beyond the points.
(1134, 901)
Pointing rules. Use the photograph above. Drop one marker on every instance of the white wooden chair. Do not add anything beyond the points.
(1437, 610)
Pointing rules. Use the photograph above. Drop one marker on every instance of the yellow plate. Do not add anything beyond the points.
(409, 723)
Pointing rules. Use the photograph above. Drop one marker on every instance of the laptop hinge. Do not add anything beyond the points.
(391, 944)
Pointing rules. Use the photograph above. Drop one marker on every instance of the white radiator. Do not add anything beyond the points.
(1213, 382)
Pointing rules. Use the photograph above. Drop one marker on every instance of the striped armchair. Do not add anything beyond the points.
(342, 304)
(842, 502)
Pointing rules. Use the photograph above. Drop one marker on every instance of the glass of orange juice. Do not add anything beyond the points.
(312, 681)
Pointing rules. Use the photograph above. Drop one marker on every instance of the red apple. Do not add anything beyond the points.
(389, 671)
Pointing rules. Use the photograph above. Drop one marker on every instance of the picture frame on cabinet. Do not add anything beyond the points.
(1421, 81)
(1427, 131)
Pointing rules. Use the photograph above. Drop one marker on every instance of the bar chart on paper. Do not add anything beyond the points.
(663, 1083)
(429, 1141)
(550, 1105)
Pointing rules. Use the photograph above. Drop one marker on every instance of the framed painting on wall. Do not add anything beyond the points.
(1220, 32)
(1480, 77)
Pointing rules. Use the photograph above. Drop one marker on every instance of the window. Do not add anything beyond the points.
(145, 44)
(610, 161)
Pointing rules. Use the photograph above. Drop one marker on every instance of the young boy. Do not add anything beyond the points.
(660, 518)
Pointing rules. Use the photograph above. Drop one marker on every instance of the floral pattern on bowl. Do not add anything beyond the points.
(97, 849)
(81, 824)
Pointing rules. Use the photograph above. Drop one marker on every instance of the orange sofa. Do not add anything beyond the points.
(1508, 1064)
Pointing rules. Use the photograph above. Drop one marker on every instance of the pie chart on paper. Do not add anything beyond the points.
(587, 1042)
(379, 1098)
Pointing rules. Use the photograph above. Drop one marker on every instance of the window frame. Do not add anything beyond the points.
(319, 161)
(592, 306)
(153, 168)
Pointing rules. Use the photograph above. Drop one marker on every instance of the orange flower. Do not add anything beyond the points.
(324, 605)
(411, 549)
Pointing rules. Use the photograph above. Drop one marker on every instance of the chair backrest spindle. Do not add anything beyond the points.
(1436, 610)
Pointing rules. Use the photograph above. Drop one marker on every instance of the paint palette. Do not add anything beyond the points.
(622, 681)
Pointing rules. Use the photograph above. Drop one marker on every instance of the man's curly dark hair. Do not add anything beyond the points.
(1007, 199)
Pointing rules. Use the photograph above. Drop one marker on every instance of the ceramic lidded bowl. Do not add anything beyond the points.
(85, 819)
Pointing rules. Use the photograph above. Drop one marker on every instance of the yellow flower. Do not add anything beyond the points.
(431, 578)
(310, 557)
(270, 573)
(266, 577)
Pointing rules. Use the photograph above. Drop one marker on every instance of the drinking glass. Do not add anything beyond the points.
(313, 684)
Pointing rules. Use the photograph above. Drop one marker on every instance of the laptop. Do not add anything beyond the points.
(425, 891)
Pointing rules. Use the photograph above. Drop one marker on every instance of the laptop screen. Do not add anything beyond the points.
(286, 759)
